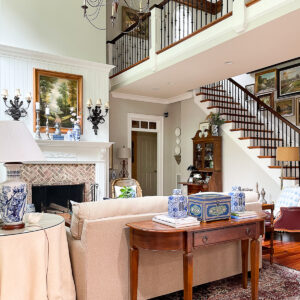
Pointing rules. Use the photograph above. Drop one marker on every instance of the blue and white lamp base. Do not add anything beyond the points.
(13, 197)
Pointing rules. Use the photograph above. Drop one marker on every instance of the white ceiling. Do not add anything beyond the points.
(266, 45)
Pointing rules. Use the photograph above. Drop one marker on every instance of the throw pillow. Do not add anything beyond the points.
(289, 197)
(125, 191)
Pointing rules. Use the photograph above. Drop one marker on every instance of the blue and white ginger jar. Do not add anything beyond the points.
(177, 205)
(237, 199)
(76, 132)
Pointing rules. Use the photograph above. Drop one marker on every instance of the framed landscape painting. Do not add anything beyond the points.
(62, 93)
(265, 81)
(298, 111)
(268, 99)
(285, 107)
(289, 80)
(249, 88)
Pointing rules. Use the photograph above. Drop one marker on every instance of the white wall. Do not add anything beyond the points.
(55, 26)
(119, 109)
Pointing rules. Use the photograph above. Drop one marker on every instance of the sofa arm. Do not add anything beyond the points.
(288, 220)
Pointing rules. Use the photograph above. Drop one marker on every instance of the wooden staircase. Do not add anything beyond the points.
(258, 123)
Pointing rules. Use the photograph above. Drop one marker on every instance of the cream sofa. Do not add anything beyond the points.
(99, 249)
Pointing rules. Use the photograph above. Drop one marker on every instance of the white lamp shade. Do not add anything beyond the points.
(124, 153)
(17, 144)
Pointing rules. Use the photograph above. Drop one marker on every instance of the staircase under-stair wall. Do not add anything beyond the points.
(255, 127)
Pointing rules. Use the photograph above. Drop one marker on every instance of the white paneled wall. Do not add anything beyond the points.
(16, 71)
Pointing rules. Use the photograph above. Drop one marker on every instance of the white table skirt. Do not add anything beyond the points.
(23, 265)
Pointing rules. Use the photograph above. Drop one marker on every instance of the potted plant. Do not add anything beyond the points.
(215, 122)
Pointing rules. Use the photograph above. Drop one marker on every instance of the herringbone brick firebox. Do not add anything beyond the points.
(58, 174)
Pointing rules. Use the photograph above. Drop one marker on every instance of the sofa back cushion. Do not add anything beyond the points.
(289, 197)
(113, 208)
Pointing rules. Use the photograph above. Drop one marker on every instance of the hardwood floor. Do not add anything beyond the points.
(286, 251)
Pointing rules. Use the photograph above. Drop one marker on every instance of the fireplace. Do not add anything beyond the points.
(56, 198)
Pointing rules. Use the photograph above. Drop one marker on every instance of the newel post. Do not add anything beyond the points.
(239, 15)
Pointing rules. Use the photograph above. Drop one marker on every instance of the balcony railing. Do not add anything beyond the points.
(172, 22)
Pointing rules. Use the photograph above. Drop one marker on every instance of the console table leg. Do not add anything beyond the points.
(188, 275)
(254, 268)
(134, 266)
(245, 255)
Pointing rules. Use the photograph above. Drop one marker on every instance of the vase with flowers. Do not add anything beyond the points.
(215, 122)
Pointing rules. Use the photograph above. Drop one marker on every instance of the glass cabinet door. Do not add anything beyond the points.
(209, 156)
(198, 156)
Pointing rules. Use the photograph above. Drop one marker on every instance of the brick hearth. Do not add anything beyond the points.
(58, 174)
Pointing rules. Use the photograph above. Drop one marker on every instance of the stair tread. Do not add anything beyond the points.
(231, 108)
(245, 122)
(250, 129)
(213, 89)
(289, 178)
(266, 156)
(285, 167)
(263, 147)
(208, 94)
(236, 115)
(259, 138)
(219, 101)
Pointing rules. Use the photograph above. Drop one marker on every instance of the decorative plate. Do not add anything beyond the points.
(177, 150)
(178, 141)
(177, 131)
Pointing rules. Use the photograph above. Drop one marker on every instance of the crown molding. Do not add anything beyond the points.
(9, 51)
(132, 97)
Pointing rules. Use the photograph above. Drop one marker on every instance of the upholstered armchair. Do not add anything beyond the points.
(127, 182)
(288, 220)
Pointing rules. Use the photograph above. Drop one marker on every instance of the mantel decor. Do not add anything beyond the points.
(61, 93)
(15, 110)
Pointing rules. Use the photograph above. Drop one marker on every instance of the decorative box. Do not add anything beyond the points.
(237, 199)
(209, 206)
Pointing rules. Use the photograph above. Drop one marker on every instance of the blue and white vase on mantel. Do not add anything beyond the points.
(13, 197)
(76, 132)
(177, 205)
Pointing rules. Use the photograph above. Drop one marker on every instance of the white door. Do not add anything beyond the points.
(146, 164)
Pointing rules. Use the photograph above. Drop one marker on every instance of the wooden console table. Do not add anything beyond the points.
(154, 236)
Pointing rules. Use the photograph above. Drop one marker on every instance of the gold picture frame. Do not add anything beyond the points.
(265, 81)
(297, 111)
(60, 91)
(285, 107)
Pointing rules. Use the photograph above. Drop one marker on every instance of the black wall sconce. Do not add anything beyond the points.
(15, 110)
(96, 116)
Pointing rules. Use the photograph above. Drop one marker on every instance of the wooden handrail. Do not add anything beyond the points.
(270, 109)
(130, 28)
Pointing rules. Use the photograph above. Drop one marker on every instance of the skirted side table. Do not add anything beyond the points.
(35, 262)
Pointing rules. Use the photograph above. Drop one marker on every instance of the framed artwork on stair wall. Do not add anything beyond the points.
(285, 107)
(289, 81)
(267, 98)
(298, 111)
(265, 81)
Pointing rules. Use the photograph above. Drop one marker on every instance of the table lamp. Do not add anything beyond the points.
(287, 154)
(17, 146)
(124, 154)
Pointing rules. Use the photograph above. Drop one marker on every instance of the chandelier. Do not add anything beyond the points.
(92, 8)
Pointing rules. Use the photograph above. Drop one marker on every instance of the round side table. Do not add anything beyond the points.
(35, 262)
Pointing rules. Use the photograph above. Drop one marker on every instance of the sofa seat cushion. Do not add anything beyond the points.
(113, 208)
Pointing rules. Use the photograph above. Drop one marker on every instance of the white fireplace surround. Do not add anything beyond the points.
(68, 152)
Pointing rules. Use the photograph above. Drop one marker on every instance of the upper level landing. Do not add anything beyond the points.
(188, 46)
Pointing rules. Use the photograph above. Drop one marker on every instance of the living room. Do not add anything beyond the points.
(122, 122)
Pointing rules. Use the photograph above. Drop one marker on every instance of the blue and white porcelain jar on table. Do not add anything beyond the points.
(177, 205)
(237, 199)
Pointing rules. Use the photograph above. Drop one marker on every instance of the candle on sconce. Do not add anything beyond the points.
(4, 93)
(28, 96)
(89, 103)
(17, 93)
(106, 105)
(99, 102)
(112, 9)
(47, 111)
(37, 106)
